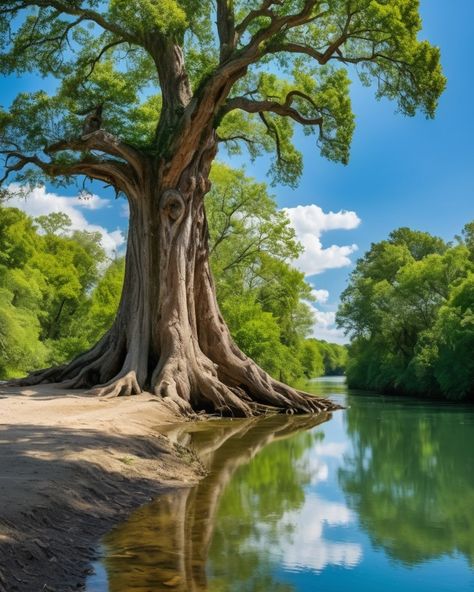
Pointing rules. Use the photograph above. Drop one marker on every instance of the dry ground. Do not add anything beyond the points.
(72, 465)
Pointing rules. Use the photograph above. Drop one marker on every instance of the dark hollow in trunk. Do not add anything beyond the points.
(169, 336)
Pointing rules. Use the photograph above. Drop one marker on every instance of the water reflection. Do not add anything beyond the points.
(273, 516)
(167, 543)
(380, 497)
(308, 549)
(410, 477)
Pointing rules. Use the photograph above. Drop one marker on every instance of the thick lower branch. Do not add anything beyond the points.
(104, 142)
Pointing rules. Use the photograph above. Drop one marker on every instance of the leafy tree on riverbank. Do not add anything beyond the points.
(263, 298)
(164, 85)
(45, 280)
(409, 310)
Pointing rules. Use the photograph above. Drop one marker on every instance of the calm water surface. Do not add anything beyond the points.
(378, 498)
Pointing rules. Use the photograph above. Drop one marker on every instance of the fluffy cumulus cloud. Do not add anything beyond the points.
(38, 201)
(321, 296)
(310, 222)
(310, 550)
(325, 327)
(324, 317)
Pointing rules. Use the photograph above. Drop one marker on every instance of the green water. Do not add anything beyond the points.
(378, 498)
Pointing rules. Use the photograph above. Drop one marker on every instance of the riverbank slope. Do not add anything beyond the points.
(71, 466)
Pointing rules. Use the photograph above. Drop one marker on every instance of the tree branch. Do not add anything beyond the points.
(93, 62)
(113, 172)
(272, 131)
(322, 57)
(226, 28)
(263, 11)
(214, 91)
(285, 109)
(280, 23)
(73, 9)
(104, 142)
(236, 138)
(59, 39)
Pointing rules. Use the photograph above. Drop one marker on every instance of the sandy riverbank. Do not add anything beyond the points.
(72, 465)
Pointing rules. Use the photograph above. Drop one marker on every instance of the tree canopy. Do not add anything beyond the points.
(143, 93)
(409, 309)
(164, 72)
(45, 281)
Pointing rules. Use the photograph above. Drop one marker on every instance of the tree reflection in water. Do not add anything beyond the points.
(165, 545)
(410, 478)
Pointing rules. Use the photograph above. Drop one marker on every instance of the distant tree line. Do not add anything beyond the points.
(59, 292)
(409, 309)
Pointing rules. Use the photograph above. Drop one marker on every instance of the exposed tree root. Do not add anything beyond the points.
(169, 337)
(189, 386)
(121, 386)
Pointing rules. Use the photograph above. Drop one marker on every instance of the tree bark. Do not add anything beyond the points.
(169, 336)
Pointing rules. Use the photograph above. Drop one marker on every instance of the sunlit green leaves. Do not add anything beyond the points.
(311, 94)
(143, 16)
(453, 337)
(44, 284)
(409, 308)
(262, 297)
(111, 52)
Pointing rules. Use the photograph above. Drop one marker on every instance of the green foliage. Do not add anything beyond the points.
(334, 358)
(61, 295)
(453, 341)
(45, 282)
(409, 308)
(20, 348)
(54, 223)
(142, 16)
(290, 60)
(262, 297)
(103, 302)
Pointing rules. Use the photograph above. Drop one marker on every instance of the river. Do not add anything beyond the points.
(379, 497)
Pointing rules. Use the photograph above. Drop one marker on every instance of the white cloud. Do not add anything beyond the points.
(325, 319)
(321, 296)
(310, 549)
(309, 223)
(325, 327)
(302, 541)
(37, 201)
(331, 449)
(312, 220)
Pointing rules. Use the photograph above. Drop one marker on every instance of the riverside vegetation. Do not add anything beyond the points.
(143, 96)
(409, 307)
(60, 293)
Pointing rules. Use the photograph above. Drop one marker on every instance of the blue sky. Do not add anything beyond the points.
(403, 171)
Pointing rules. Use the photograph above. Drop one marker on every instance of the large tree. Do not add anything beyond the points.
(164, 83)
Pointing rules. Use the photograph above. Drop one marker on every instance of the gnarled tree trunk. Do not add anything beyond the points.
(169, 336)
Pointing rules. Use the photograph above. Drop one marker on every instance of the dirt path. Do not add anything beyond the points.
(71, 466)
